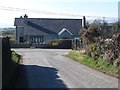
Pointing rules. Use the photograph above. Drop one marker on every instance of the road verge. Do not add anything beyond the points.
(100, 64)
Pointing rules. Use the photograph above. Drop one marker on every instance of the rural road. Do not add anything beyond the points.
(48, 68)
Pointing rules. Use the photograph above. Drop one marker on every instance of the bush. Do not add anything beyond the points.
(113, 49)
(15, 57)
(108, 49)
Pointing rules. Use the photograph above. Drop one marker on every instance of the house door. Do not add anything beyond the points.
(21, 40)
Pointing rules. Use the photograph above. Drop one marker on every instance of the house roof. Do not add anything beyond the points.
(48, 25)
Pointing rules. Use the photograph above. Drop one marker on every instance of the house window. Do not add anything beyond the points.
(21, 39)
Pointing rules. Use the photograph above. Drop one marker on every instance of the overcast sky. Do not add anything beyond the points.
(104, 8)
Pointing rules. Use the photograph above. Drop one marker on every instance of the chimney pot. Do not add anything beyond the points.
(84, 22)
(25, 16)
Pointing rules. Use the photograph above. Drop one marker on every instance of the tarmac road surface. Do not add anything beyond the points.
(48, 68)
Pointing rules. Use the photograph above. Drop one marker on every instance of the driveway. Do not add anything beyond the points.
(48, 68)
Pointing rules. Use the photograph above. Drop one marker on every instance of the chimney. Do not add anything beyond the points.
(21, 17)
(25, 18)
(84, 22)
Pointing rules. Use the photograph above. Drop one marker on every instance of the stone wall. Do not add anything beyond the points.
(63, 44)
(8, 66)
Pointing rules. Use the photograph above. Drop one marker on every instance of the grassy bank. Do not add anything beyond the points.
(15, 57)
(99, 64)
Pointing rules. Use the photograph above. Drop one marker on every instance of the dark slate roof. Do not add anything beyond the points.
(48, 25)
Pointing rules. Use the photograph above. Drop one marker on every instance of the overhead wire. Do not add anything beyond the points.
(51, 13)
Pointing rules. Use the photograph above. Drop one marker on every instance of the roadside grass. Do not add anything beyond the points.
(99, 64)
(15, 57)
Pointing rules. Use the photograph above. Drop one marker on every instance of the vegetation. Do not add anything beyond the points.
(116, 27)
(102, 49)
(15, 57)
(100, 64)
(98, 46)
(9, 32)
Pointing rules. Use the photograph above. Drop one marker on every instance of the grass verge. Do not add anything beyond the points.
(15, 57)
(99, 64)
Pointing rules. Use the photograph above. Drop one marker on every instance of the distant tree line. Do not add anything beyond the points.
(9, 32)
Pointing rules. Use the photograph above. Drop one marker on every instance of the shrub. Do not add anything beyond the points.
(15, 57)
